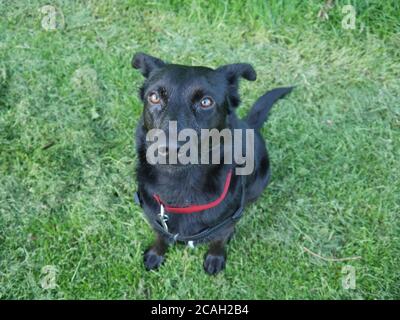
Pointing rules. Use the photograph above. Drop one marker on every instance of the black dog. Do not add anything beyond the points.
(196, 203)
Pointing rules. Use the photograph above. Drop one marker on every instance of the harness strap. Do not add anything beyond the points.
(207, 232)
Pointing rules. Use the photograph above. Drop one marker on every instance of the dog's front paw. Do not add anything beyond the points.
(152, 260)
(214, 263)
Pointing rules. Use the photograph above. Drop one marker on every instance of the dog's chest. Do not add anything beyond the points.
(184, 224)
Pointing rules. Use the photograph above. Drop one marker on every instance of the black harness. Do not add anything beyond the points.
(160, 224)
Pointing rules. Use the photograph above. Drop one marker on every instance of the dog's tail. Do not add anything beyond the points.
(260, 110)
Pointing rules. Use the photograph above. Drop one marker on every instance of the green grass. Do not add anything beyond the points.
(68, 110)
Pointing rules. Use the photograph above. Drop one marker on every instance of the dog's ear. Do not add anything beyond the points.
(232, 73)
(146, 63)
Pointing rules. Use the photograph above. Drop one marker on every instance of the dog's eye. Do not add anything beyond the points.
(206, 102)
(154, 98)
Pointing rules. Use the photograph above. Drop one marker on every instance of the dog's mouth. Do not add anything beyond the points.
(171, 156)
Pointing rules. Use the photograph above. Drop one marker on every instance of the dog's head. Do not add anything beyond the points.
(195, 97)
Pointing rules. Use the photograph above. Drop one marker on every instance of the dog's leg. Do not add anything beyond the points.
(154, 256)
(215, 258)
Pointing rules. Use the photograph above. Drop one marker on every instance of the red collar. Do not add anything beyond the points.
(197, 207)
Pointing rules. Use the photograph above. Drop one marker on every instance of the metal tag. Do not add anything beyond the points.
(163, 218)
(190, 244)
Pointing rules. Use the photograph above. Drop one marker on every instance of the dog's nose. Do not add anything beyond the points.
(165, 149)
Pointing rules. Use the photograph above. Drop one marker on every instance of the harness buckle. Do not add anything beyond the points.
(163, 218)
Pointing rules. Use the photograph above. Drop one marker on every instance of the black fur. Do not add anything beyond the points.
(180, 89)
(260, 110)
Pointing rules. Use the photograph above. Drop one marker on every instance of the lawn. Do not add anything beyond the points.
(327, 227)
